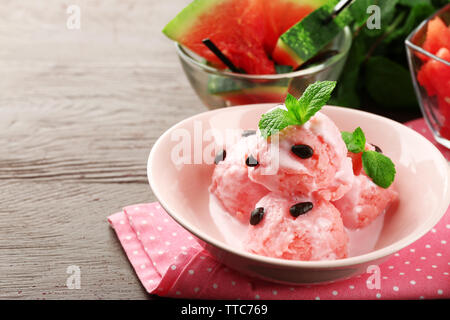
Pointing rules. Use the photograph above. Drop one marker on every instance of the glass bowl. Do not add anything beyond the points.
(217, 88)
(428, 70)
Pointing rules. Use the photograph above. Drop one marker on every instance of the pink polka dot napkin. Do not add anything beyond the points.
(171, 262)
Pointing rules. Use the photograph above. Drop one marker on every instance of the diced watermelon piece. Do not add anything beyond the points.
(438, 36)
(236, 27)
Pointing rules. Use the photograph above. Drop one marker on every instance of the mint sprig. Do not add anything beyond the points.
(377, 166)
(355, 141)
(297, 112)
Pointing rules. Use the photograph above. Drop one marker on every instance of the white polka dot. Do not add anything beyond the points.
(335, 293)
(407, 262)
(233, 283)
(184, 253)
(421, 297)
(144, 221)
(378, 295)
(191, 271)
(183, 248)
(173, 267)
(412, 282)
(418, 269)
(178, 293)
(395, 288)
(427, 246)
(174, 234)
(160, 252)
(412, 250)
(434, 266)
(150, 281)
(138, 233)
(152, 238)
(154, 264)
(402, 273)
(433, 230)
(159, 228)
(196, 289)
(391, 267)
(166, 220)
(122, 222)
(257, 296)
(317, 298)
(423, 258)
(158, 206)
(143, 266)
(439, 254)
(135, 252)
(445, 273)
(208, 269)
(447, 226)
(167, 243)
(202, 258)
(385, 277)
(274, 292)
(190, 238)
(443, 242)
(128, 237)
(215, 285)
(440, 292)
(429, 277)
(136, 209)
(396, 254)
(351, 287)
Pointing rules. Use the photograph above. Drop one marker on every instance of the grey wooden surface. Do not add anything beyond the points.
(79, 112)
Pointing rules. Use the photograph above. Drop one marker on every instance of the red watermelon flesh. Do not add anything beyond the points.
(281, 15)
(235, 26)
(434, 76)
(438, 36)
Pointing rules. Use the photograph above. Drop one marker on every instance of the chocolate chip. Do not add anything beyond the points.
(302, 150)
(377, 149)
(300, 208)
(220, 156)
(247, 133)
(251, 161)
(256, 216)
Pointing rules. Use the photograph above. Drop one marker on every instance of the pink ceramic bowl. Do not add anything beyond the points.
(422, 182)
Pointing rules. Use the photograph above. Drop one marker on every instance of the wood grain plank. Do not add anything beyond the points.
(79, 112)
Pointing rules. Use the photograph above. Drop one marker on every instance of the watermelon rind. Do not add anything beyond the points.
(184, 20)
(303, 41)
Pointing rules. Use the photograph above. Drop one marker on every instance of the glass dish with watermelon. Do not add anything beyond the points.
(428, 50)
(253, 35)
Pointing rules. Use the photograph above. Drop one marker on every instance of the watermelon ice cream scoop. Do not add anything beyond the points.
(312, 158)
(231, 184)
(317, 234)
(364, 202)
(298, 182)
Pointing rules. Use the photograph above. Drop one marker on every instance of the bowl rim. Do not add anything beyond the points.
(322, 264)
(411, 45)
(347, 42)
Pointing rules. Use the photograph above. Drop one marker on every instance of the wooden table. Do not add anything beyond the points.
(79, 112)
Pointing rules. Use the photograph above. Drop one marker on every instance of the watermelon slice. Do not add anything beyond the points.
(235, 26)
(297, 45)
(280, 15)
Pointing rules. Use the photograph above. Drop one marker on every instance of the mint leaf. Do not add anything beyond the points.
(356, 141)
(274, 121)
(314, 98)
(379, 168)
(298, 111)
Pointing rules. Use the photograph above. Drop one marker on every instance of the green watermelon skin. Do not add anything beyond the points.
(297, 45)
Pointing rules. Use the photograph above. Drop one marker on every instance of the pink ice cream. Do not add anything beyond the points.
(327, 173)
(231, 184)
(364, 202)
(315, 235)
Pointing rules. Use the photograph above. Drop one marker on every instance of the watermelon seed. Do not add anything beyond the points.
(302, 151)
(220, 156)
(300, 208)
(251, 161)
(256, 216)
